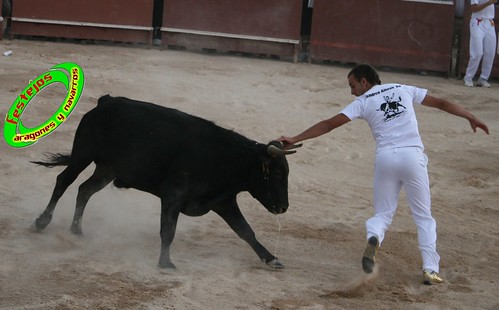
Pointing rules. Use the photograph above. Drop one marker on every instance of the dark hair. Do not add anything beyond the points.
(367, 72)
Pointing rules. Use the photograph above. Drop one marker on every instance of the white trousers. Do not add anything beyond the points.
(482, 47)
(405, 167)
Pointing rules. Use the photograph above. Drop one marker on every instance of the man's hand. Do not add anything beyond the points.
(475, 122)
(287, 142)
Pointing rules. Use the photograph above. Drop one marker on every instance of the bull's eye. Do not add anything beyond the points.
(277, 174)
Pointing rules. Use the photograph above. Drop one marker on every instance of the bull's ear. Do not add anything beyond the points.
(276, 148)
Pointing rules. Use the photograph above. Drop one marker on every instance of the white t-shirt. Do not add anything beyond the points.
(389, 111)
(488, 12)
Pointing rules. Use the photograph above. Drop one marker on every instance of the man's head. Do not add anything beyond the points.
(362, 78)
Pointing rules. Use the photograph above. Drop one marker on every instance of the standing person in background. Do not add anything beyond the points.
(400, 160)
(482, 41)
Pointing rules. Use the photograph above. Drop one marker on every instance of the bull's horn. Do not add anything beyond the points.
(273, 150)
(295, 146)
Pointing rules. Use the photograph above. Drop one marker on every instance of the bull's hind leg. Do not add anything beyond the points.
(169, 218)
(102, 176)
(232, 215)
(64, 179)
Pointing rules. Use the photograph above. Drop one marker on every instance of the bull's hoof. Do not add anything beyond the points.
(34, 228)
(275, 264)
(164, 265)
(42, 221)
(76, 229)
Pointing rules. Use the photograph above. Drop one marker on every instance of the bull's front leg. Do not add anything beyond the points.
(231, 213)
(169, 217)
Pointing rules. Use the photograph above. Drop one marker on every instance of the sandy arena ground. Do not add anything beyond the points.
(321, 237)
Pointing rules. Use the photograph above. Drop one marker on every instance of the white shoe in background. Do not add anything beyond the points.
(468, 83)
(483, 83)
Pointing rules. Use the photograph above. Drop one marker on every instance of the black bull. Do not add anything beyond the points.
(191, 164)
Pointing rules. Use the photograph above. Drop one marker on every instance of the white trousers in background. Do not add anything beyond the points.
(405, 167)
(482, 43)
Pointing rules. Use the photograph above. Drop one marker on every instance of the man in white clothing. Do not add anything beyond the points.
(482, 41)
(400, 159)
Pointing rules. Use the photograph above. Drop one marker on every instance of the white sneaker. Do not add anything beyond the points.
(468, 83)
(483, 83)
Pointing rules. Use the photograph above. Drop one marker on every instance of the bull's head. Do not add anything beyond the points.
(271, 184)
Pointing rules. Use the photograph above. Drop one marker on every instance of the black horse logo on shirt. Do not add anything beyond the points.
(391, 108)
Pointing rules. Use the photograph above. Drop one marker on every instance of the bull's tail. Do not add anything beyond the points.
(55, 160)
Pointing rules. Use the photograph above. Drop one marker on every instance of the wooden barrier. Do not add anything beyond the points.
(111, 20)
(2, 22)
(406, 34)
(415, 34)
(253, 26)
